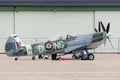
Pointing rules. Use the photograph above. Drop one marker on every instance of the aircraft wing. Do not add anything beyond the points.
(72, 48)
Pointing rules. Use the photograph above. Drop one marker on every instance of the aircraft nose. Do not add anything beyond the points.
(109, 34)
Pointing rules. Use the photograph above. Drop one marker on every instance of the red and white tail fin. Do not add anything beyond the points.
(18, 42)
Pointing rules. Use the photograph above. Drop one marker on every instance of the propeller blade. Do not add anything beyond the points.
(110, 43)
(103, 27)
(108, 27)
(96, 30)
(105, 42)
(99, 29)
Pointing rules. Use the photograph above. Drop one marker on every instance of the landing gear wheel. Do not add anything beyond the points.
(91, 56)
(40, 57)
(54, 56)
(33, 58)
(16, 59)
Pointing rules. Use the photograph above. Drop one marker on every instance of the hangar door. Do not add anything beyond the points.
(44, 24)
(6, 27)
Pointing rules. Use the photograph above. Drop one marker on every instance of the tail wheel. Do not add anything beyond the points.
(54, 56)
(16, 59)
(91, 56)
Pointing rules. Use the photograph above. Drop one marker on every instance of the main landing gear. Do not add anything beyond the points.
(85, 55)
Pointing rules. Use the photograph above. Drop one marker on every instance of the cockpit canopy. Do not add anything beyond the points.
(60, 37)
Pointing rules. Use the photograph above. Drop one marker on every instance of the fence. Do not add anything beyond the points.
(102, 48)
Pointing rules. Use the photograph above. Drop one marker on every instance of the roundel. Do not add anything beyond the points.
(48, 46)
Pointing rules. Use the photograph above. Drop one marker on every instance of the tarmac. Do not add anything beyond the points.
(103, 67)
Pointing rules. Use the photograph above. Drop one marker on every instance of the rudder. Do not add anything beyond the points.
(13, 43)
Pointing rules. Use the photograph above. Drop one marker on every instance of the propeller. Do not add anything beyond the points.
(100, 24)
(110, 42)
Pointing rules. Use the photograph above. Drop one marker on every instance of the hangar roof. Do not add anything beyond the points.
(59, 2)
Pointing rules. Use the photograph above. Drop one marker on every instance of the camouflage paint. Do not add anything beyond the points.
(80, 42)
(98, 37)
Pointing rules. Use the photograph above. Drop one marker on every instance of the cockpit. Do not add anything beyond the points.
(60, 37)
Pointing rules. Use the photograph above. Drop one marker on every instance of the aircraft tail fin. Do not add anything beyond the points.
(13, 43)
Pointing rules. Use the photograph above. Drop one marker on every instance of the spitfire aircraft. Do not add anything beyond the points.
(79, 45)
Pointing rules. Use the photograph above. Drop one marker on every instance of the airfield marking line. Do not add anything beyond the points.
(4, 73)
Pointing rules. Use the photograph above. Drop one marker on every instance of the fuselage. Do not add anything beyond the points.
(88, 41)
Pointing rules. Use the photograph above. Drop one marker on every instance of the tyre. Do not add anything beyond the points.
(91, 56)
(16, 59)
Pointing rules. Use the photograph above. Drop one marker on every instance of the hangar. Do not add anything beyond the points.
(38, 20)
